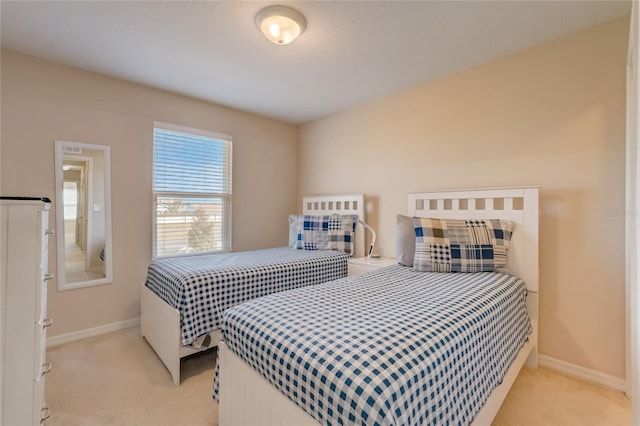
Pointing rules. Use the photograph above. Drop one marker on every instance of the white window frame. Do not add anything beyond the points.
(225, 197)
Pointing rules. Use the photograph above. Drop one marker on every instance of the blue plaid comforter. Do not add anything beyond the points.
(203, 287)
(390, 347)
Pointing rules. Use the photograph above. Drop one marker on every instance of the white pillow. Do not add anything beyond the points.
(405, 240)
(293, 230)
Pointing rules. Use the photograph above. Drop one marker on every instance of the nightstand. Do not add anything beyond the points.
(359, 265)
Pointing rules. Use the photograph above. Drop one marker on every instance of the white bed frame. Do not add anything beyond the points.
(160, 323)
(247, 398)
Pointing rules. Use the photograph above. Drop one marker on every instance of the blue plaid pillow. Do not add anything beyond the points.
(461, 245)
(327, 232)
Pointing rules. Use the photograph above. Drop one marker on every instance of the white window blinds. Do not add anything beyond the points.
(192, 191)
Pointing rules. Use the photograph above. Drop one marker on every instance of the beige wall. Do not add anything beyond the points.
(43, 101)
(552, 116)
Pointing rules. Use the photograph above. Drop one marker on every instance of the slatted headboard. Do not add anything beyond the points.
(340, 204)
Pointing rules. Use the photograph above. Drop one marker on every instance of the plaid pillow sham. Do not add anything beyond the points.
(326, 232)
(461, 245)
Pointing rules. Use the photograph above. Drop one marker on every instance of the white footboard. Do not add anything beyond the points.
(160, 325)
(247, 398)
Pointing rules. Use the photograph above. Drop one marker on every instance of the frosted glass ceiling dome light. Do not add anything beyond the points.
(280, 24)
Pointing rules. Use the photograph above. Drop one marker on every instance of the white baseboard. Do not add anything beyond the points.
(91, 332)
(594, 376)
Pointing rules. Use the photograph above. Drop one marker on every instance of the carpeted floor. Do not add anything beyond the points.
(117, 379)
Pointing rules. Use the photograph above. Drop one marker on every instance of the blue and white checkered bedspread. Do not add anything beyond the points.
(390, 347)
(203, 287)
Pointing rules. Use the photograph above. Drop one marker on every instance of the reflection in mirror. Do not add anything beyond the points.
(83, 214)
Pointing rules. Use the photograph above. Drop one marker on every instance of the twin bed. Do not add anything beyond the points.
(392, 346)
(183, 298)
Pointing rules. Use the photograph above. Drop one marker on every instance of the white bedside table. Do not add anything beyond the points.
(359, 265)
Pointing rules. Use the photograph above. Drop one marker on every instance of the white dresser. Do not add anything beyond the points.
(24, 231)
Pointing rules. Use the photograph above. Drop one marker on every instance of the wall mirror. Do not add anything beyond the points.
(83, 214)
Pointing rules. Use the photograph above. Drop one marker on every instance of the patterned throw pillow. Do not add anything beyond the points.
(327, 232)
(461, 245)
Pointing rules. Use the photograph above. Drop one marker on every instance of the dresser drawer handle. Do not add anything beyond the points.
(44, 414)
(47, 322)
(48, 277)
(46, 367)
(49, 232)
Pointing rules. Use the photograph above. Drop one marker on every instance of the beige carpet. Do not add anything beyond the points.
(117, 379)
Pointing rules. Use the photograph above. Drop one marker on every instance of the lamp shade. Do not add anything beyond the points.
(280, 24)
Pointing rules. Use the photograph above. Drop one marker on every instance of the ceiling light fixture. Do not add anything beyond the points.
(280, 24)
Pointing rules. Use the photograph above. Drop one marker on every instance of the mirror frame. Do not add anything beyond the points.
(59, 182)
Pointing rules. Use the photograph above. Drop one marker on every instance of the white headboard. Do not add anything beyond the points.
(519, 205)
(340, 204)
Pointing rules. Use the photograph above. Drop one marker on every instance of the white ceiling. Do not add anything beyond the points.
(352, 51)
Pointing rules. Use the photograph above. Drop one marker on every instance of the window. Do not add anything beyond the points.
(191, 191)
